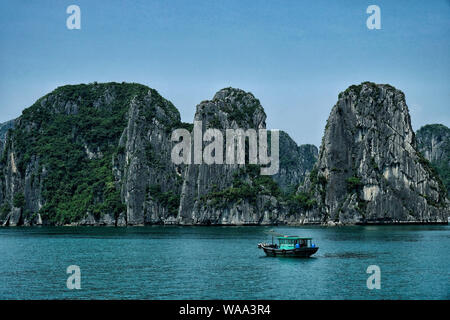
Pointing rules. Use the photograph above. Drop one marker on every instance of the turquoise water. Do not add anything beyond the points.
(223, 263)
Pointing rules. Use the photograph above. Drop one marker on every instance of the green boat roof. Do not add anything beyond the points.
(294, 238)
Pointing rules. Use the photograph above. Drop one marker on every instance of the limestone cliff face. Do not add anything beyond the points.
(150, 182)
(229, 109)
(100, 154)
(433, 141)
(4, 127)
(18, 178)
(95, 154)
(369, 167)
(295, 162)
(232, 194)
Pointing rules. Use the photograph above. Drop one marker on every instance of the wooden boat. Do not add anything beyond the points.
(290, 246)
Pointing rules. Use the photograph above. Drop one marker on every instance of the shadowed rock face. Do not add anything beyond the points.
(433, 141)
(295, 162)
(4, 127)
(369, 167)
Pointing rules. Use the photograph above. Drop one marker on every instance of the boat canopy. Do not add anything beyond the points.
(293, 238)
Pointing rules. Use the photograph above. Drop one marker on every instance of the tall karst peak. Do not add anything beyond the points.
(369, 168)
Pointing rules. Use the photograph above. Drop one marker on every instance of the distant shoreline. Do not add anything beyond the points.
(378, 223)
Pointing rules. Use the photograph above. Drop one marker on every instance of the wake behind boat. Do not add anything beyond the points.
(290, 246)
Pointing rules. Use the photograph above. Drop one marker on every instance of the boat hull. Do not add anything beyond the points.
(294, 253)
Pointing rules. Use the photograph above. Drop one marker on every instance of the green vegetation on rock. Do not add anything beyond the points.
(59, 131)
(433, 140)
(247, 185)
(19, 200)
(168, 199)
(354, 184)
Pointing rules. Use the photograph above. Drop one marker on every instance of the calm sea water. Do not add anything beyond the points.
(223, 263)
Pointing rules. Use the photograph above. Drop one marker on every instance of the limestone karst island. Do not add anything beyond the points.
(100, 154)
(237, 158)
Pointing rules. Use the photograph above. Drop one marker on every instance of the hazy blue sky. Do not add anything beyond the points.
(295, 56)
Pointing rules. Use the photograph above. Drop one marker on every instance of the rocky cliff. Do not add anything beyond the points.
(295, 162)
(229, 109)
(101, 154)
(233, 193)
(433, 141)
(369, 167)
(4, 127)
(91, 154)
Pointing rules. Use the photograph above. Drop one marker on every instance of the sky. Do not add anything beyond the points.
(294, 56)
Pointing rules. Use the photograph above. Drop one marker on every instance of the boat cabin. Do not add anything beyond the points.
(293, 242)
